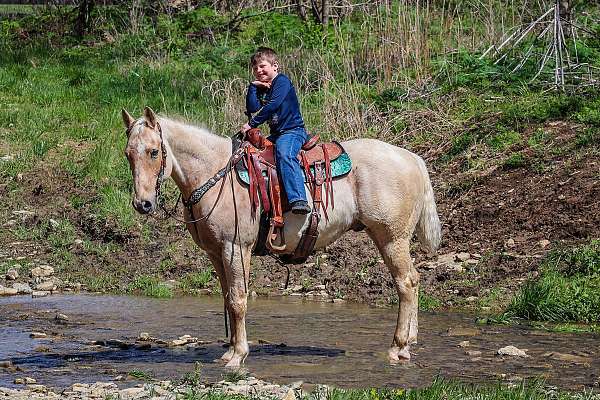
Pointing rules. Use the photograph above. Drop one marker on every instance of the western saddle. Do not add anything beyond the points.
(265, 190)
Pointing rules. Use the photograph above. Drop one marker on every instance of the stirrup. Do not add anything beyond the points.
(272, 235)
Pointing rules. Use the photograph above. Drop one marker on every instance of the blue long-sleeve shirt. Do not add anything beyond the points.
(278, 105)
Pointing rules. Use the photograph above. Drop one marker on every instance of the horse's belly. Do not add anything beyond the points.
(340, 218)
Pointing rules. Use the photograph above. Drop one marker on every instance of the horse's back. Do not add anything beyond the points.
(389, 181)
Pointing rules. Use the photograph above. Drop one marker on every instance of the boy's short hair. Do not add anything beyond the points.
(264, 54)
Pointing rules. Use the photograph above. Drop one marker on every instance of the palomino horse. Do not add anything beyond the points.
(387, 192)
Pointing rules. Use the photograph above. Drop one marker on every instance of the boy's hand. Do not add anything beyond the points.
(245, 128)
(260, 84)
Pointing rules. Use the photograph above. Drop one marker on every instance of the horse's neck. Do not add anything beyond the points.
(196, 153)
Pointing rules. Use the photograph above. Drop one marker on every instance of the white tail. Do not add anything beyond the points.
(429, 229)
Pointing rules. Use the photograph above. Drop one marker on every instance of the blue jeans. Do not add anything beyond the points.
(287, 146)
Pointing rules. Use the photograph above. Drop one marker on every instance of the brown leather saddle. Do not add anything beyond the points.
(266, 194)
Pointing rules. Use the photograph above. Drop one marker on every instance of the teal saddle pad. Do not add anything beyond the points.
(339, 167)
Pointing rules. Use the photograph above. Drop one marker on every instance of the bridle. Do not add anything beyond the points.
(163, 163)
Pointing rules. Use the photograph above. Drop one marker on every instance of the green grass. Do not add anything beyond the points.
(149, 286)
(567, 290)
(440, 389)
(428, 302)
(190, 283)
(235, 375)
(141, 375)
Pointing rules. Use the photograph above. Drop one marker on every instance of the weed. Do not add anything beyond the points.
(588, 137)
(193, 378)
(428, 302)
(100, 283)
(515, 160)
(141, 375)
(236, 375)
(149, 286)
(196, 280)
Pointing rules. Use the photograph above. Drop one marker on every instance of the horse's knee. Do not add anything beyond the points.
(238, 304)
(406, 285)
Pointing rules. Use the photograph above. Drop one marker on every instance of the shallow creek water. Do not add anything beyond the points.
(290, 340)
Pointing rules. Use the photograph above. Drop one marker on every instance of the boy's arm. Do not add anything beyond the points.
(280, 90)
(252, 102)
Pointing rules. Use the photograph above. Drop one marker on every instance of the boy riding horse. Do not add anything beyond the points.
(272, 97)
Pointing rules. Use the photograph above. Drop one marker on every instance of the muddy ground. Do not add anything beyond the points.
(503, 214)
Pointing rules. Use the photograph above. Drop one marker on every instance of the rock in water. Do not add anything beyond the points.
(511, 351)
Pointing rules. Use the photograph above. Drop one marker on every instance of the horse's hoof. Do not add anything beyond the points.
(235, 362)
(227, 356)
(397, 355)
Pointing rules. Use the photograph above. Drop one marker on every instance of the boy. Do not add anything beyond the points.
(273, 98)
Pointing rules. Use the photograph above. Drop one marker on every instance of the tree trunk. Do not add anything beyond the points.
(565, 7)
(83, 21)
(324, 13)
(300, 10)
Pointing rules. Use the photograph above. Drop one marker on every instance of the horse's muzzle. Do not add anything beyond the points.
(143, 206)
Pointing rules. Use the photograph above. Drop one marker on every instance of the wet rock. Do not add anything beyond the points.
(144, 336)
(42, 271)
(6, 364)
(37, 335)
(22, 288)
(12, 274)
(568, 358)
(19, 381)
(29, 381)
(463, 331)
(338, 301)
(464, 343)
(61, 317)
(511, 351)
(37, 388)
(473, 353)
(42, 349)
(40, 293)
(4, 291)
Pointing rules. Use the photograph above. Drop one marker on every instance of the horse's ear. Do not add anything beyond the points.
(127, 119)
(150, 117)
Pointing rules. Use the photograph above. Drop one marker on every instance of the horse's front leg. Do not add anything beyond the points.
(218, 264)
(236, 264)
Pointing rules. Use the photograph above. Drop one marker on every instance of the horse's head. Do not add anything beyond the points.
(147, 156)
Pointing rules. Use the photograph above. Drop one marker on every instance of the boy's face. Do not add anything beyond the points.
(264, 71)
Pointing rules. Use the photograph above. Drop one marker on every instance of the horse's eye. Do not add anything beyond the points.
(154, 153)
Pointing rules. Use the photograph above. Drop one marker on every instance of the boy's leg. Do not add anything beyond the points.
(287, 147)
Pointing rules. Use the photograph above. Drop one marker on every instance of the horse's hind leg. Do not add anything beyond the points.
(396, 254)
